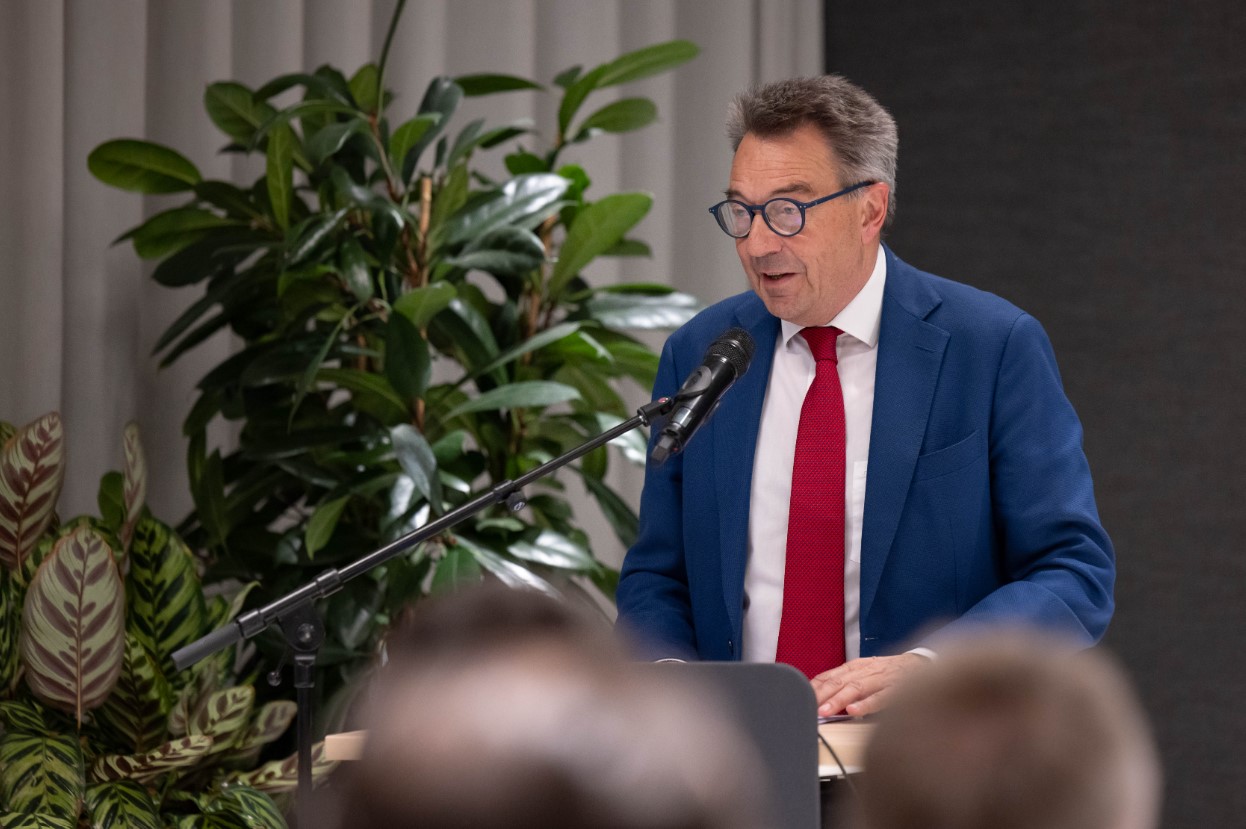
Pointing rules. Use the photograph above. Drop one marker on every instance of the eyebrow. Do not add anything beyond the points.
(795, 188)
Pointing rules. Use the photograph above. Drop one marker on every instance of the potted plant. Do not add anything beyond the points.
(98, 727)
(414, 331)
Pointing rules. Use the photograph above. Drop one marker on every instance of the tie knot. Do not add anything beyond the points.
(822, 342)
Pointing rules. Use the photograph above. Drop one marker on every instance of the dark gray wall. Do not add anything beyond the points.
(1087, 161)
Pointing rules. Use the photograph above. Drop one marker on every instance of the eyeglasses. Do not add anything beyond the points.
(784, 216)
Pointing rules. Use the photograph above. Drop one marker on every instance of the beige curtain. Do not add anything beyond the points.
(79, 316)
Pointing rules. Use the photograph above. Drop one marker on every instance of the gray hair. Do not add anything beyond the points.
(861, 134)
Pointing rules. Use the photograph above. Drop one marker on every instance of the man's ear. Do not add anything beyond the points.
(874, 210)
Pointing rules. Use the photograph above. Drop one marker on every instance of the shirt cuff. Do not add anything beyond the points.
(926, 652)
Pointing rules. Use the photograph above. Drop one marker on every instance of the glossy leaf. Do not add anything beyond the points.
(639, 311)
(121, 804)
(168, 232)
(422, 304)
(522, 395)
(415, 457)
(507, 571)
(504, 250)
(554, 550)
(363, 383)
(534, 343)
(622, 518)
(235, 110)
(142, 167)
(410, 135)
(328, 140)
(32, 470)
(167, 608)
(354, 266)
(280, 172)
(520, 198)
(363, 88)
(322, 523)
(646, 62)
(178, 753)
(408, 365)
(42, 774)
(487, 84)
(73, 624)
(621, 116)
(458, 567)
(597, 228)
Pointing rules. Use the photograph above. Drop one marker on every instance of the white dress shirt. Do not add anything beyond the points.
(791, 373)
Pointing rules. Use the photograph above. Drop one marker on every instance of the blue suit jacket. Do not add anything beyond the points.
(979, 505)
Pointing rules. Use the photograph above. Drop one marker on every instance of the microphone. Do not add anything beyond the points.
(725, 361)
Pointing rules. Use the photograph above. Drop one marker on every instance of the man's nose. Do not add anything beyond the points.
(761, 240)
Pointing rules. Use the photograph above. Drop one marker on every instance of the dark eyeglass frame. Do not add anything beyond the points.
(754, 209)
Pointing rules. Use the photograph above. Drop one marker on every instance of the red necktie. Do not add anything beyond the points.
(811, 632)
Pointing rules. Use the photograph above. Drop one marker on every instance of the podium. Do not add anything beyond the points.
(776, 710)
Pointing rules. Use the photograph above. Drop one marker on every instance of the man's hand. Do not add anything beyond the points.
(862, 686)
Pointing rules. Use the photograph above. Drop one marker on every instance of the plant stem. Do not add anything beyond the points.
(389, 39)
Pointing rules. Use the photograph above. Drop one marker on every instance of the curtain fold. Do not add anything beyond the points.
(80, 316)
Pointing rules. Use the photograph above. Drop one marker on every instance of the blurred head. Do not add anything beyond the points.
(1013, 731)
(503, 708)
(806, 138)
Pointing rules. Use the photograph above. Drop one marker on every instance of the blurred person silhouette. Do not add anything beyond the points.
(502, 707)
(1013, 730)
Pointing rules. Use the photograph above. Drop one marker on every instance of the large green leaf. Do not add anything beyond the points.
(172, 230)
(422, 304)
(621, 116)
(416, 458)
(519, 200)
(646, 62)
(362, 384)
(534, 343)
(408, 365)
(458, 567)
(597, 228)
(364, 87)
(121, 804)
(325, 142)
(504, 251)
(554, 550)
(487, 84)
(235, 110)
(166, 602)
(73, 634)
(25, 820)
(142, 166)
(622, 518)
(641, 311)
(42, 774)
(507, 571)
(410, 135)
(322, 523)
(32, 470)
(521, 395)
(280, 172)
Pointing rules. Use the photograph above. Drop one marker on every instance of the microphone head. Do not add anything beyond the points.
(736, 346)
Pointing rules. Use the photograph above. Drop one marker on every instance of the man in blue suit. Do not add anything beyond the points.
(979, 507)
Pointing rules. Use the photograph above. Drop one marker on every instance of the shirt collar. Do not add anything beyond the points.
(860, 317)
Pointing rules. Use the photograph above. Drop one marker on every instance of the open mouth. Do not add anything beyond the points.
(776, 275)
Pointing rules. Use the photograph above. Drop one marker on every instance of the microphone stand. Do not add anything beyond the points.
(302, 626)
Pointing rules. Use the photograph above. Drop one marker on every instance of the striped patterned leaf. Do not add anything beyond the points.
(32, 469)
(136, 712)
(10, 627)
(180, 753)
(269, 724)
(134, 490)
(166, 600)
(73, 624)
(222, 820)
(282, 775)
(42, 774)
(224, 717)
(121, 804)
(21, 820)
(22, 716)
(255, 809)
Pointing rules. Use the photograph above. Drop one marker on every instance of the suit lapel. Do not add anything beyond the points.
(910, 354)
(735, 444)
